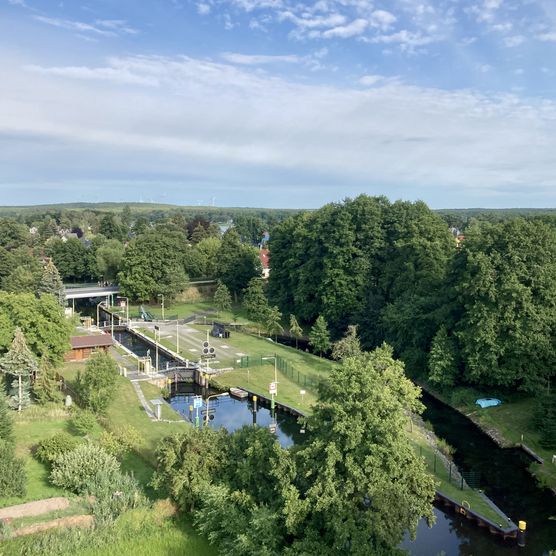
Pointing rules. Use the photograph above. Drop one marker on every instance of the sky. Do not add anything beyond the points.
(278, 103)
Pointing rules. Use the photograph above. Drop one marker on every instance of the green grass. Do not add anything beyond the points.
(447, 486)
(510, 423)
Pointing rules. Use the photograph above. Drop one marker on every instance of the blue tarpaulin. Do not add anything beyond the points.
(488, 402)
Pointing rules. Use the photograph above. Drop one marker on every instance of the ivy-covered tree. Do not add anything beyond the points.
(319, 336)
(19, 365)
(222, 298)
(51, 283)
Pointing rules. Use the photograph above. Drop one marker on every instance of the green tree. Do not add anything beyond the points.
(51, 283)
(23, 279)
(108, 258)
(273, 321)
(348, 346)
(111, 227)
(46, 387)
(360, 485)
(71, 257)
(208, 250)
(42, 321)
(96, 385)
(442, 360)
(295, 330)
(12, 472)
(222, 298)
(255, 302)
(13, 234)
(153, 264)
(199, 234)
(249, 228)
(237, 263)
(186, 464)
(19, 363)
(6, 421)
(319, 336)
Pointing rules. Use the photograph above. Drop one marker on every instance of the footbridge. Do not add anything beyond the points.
(84, 291)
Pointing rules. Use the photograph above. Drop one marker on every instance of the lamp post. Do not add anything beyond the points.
(162, 304)
(156, 329)
(275, 366)
(177, 337)
(208, 398)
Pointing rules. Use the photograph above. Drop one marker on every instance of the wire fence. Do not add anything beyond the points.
(284, 367)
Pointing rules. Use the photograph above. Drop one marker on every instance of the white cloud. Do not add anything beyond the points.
(369, 80)
(515, 40)
(101, 27)
(382, 19)
(547, 37)
(352, 29)
(203, 8)
(258, 59)
(174, 116)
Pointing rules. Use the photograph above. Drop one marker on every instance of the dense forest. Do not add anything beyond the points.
(479, 312)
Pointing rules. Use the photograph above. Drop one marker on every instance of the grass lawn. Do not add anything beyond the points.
(510, 423)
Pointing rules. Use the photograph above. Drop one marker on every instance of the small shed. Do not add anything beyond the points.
(83, 346)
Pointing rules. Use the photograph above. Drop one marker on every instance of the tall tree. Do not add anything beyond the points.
(348, 346)
(295, 330)
(273, 321)
(6, 421)
(442, 360)
(108, 259)
(255, 302)
(71, 257)
(51, 283)
(319, 336)
(237, 263)
(222, 298)
(96, 384)
(19, 363)
(360, 485)
(46, 387)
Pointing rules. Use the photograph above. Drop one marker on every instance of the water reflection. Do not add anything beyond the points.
(232, 414)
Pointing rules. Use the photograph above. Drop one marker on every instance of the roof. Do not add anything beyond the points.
(264, 255)
(99, 340)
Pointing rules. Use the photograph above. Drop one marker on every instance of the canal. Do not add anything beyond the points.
(502, 472)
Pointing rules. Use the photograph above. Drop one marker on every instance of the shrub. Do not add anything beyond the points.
(50, 449)
(445, 448)
(545, 420)
(96, 386)
(114, 494)
(121, 441)
(74, 470)
(83, 422)
(12, 472)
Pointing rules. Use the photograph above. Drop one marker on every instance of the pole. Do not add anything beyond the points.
(177, 337)
(112, 323)
(156, 343)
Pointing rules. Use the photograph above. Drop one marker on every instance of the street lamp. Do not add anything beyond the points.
(208, 398)
(162, 303)
(275, 366)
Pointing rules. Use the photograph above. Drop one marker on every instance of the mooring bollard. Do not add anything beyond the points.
(521, 527)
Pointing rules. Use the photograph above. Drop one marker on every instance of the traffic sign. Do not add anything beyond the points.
(197, 402)
(273, 388)
(272, 428)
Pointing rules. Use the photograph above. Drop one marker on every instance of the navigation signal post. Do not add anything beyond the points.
(197, 404)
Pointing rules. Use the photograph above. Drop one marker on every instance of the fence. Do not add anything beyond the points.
(447, 471)
(284, 366)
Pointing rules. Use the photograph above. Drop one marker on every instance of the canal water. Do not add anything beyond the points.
(503, 473)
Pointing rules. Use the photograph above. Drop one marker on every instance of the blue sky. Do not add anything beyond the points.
(278, 103)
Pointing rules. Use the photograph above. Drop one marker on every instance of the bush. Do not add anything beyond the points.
(50, 449)
(96, 386)
(83, 422)
(75, 470)
(114, 494)
(445, 448)
(12, 472)
(121, 441)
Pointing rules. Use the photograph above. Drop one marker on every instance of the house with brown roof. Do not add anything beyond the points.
(82, 347)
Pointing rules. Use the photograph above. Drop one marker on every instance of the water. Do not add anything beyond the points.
(504, 474)
(233, 414)
(505, 480)
(142, 349)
